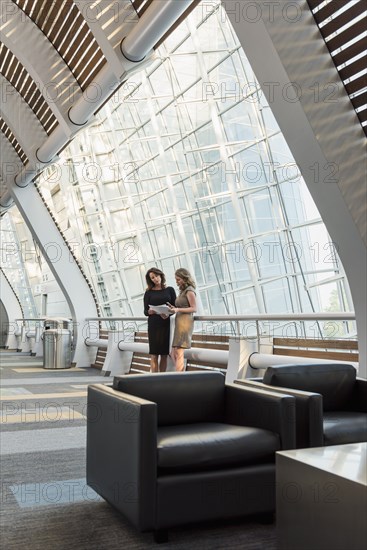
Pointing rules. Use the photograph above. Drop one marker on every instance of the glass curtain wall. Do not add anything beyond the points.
(186, 167)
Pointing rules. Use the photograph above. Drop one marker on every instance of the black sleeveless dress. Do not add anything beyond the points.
(158, 328)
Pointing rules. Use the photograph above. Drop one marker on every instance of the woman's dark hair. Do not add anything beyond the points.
(157, 272)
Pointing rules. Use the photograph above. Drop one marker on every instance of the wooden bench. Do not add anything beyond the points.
(317, 348)
(101, 352)
(140, 362)
(210, 341)
(314, 348)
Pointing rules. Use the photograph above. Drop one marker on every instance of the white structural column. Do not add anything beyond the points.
(308, 99)
(63, 267)
(13, 310)
(153, 24)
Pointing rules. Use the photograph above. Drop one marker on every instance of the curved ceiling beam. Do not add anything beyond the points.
(108, 22)
(79, 107)
(22, 121)
(46, 67)
(106, 82)
(10, 166)
(64, 267)
(12, 307)
(79, 115)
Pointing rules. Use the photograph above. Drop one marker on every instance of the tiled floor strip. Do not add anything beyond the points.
(47, 439)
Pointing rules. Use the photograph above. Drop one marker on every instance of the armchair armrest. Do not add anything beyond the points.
(309, 412)
(121, 452)
(264, 409)
(359, 397)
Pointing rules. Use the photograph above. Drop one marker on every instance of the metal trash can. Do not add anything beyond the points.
(57, 348)
(56, 322)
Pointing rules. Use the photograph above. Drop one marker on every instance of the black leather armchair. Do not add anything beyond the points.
(331, 402)
(174, 448)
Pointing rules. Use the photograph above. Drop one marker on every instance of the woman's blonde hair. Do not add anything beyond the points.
(185, 276)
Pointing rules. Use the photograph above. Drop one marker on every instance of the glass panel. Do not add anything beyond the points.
(238, 124)
(276, 296)
(186, 166)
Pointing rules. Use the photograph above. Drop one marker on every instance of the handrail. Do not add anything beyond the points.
(220, 357)
(256, 318)
(31, 319)
(44, 319)
(341, 316)
(260, 361)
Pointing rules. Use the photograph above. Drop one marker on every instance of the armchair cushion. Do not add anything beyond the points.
(198, 397)
(344, 427)
(335, 382)
(192, 447)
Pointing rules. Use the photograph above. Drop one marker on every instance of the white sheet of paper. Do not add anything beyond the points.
(160, 309)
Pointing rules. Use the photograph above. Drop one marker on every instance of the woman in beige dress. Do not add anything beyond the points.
(184, 308)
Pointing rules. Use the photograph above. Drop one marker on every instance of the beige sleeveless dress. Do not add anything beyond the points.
(184, 322)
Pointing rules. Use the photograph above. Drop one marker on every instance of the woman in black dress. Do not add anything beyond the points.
(158, 325)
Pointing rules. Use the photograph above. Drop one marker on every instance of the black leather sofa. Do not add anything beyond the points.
(173, 448)
(331, 402)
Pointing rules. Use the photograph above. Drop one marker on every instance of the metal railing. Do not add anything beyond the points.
(252, 326)
(256, 332)
(118, 333)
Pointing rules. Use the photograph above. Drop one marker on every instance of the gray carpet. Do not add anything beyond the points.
(45, 502)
